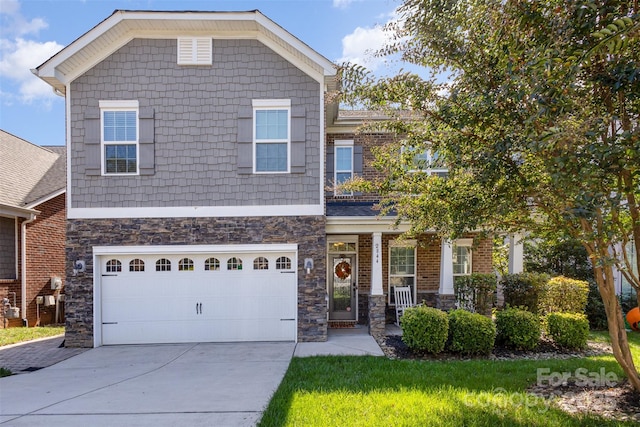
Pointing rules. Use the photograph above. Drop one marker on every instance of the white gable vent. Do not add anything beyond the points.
(195, 51)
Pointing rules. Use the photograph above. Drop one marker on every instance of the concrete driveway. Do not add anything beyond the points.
(149, 385)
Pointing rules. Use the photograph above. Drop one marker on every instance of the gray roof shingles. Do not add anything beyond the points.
(29, 172)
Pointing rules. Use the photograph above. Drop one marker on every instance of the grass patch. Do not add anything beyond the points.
(16, 335)
(375, 391)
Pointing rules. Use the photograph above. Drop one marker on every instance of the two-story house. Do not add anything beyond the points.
(199, 148)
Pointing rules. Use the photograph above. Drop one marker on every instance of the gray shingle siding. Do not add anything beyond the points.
(196, 110)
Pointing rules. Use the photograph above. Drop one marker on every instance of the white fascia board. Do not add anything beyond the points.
(49, 68)
(14, 211)
(328, 67)
(194, 249)
(46, 198)
(196, 211)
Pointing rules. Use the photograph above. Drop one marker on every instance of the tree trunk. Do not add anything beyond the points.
(615, 321)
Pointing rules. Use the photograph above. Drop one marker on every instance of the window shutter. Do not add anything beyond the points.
(298, 140)
(357, 163)
(92, 142)
(357, 159)
(195, 51)
(146, 142)
(245, 141)
(329, 171)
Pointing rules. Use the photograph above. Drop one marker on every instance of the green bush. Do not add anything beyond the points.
(470, 333)
(565, 295)
(476, 292)
(569, 330)
(517, 328)
(425, 329)
(523, 289)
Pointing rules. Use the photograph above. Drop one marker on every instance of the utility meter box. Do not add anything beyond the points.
(12, 313)
(56, 283)
(49, 300)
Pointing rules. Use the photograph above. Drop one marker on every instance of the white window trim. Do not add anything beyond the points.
(341, 144)
(120, 105)
(467, 243)
(271, 104)
(403, 244)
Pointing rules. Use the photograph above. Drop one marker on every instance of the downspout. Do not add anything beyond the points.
(23, 296)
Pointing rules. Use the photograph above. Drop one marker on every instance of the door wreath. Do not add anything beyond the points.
(343, 270)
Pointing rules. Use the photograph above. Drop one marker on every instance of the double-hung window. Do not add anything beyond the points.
(271, 135)
(119, 130)
(402, 268)
(425, 160)
(462, 257)
(343, 169)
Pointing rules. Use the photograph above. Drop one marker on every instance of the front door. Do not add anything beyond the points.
(342, 288)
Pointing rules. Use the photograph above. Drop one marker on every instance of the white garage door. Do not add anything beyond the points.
(198, 297)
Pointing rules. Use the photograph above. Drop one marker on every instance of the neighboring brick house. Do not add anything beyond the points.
(199, 146)
(32, 232)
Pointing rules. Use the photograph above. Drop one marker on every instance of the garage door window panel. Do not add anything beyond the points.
(163, 264)
(212, 264)
(185, 264)
(136, 265)
(114, 266)
(234, 264)
(283, 263)
(261, 263)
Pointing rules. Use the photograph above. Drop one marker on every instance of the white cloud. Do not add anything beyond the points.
(360, 46)
(342, 4)
(19, 54)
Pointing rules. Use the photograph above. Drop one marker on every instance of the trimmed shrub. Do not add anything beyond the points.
(470, 333)
(569, 330)
(523, 289)
(563, 295)
(519, 329)
(476, 292)
(425, 329)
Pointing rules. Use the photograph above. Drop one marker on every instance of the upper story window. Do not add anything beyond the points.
(271, 135)
(343, 170)
(425, 160)
(195, 51)
(462, 257)
(119, 137)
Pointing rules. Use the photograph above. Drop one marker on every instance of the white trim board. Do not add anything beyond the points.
(196, 211)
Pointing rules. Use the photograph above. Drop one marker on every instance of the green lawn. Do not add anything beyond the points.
(16, 335)
(375, 391)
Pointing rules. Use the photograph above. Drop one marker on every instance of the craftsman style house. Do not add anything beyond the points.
(199, 150)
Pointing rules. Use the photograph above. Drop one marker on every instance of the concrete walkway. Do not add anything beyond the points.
(343, 342)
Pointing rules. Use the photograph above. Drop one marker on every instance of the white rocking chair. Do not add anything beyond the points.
(403, 301)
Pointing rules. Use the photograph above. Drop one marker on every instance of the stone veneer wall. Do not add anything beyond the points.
(308, 232)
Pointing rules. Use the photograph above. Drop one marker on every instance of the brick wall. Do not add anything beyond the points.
(45, 258)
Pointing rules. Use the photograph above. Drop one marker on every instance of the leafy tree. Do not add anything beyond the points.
(538, 123)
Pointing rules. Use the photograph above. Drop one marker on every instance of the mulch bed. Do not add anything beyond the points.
(613, 401)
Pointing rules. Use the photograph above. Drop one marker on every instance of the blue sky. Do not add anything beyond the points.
(31, 31)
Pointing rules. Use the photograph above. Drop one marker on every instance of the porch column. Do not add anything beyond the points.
(446, 296)
(516, 254)
(377, 304)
